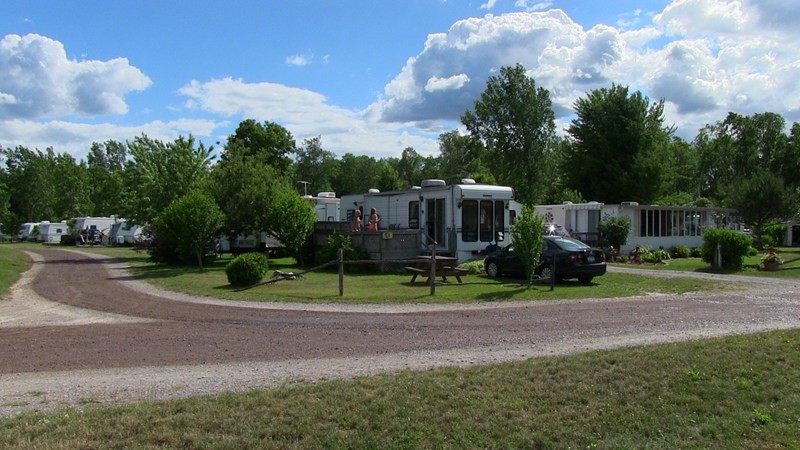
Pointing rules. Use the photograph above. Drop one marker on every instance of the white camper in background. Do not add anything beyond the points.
(94, 229)
(26, 231)
(125, 233)
(461, 219)
(50, 233)
(326, 206)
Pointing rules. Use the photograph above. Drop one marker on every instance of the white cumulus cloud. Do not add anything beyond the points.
(703, 57)
(37, 80)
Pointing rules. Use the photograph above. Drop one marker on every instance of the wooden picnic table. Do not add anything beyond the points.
(445, 267)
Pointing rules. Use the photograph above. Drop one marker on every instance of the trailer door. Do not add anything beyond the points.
(435, 220)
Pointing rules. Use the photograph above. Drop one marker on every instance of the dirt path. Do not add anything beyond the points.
(78, 329)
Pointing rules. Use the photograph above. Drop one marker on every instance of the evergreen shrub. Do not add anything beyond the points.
(247, 269)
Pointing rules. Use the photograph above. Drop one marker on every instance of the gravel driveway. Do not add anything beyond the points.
(77, 329)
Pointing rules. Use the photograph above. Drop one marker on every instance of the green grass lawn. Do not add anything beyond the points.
(12, 263)
(752, 265)
(735, 392)
(392, 288)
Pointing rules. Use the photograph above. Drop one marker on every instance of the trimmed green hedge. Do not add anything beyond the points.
(734, 247)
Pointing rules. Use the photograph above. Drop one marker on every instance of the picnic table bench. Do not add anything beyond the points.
(443, 272)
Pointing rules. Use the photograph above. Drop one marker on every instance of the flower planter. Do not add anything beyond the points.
(771, 266)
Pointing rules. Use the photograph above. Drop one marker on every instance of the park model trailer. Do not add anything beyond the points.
(461, 219)
(26, 231)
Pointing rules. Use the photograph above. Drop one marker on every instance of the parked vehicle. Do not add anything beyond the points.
(573, 259)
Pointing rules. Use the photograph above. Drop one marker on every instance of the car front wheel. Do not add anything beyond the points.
(492, 270)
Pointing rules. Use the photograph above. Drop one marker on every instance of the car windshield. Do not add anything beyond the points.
(569, 244)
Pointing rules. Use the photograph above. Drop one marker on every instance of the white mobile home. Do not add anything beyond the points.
(50, 233)
(652, 226)
(461, 219)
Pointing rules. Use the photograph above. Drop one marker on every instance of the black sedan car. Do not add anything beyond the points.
(573, 258)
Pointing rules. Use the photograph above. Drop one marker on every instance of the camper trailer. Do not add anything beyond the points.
(125, 233)
(51, 233)
(326, 206)
(94, 230)
(28, 231)
(460, 219)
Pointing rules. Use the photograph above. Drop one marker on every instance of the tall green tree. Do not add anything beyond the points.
(316, 166)
(29, 179)
(292, 220)
(190, 223)
(462, 156)
(357, 174)
(160, 172)
(105, 164)
(741, 146)
(515, 122)
(245, 189)
(759, 199)
(268, 142)
(616, 141)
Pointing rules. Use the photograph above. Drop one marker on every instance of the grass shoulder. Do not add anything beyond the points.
(734, 392)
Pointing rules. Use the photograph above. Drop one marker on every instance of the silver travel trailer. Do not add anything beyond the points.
(326, 205)
(461, 220)
(51, 232)
(94, 230)
(26, 231)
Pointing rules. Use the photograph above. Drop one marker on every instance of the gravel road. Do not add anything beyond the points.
(77, 329)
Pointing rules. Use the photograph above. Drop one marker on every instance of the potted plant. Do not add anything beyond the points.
(771, 261)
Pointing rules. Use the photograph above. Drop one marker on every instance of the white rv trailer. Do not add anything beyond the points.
(94, 229)
(51, 232)
(26, 231)
(326, 206)
(461, 219)
(125, 233)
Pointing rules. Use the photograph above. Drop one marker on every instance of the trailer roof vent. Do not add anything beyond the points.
(327, 194)
(374, 191)
(467, 181)
(433, 183)
(629, 203)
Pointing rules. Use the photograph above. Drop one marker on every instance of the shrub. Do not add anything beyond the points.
(697, 252)
(338, 240)
(681, 251)
(752, 251)
(734, 246)
(247, 269)
(614, 231)
(655, 256)
(475, 266)
(773, 235)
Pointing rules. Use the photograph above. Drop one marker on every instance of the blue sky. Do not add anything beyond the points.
(372, 77)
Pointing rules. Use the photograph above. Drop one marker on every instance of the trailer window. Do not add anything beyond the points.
(469, 220)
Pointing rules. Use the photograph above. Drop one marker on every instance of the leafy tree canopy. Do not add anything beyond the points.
(268, 142)
(615, 151)
(515, 122)
(190, 223)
